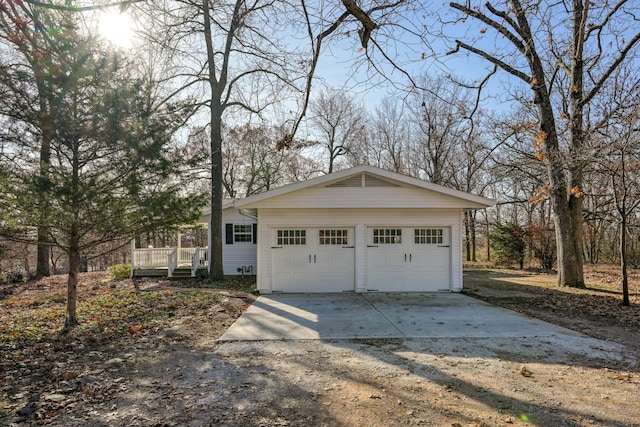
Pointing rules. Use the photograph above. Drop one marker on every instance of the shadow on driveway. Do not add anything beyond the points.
(388, 315)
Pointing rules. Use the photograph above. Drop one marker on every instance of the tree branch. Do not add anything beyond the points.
(506, 67)
(67, 8)
(623, 54)
(493, 24)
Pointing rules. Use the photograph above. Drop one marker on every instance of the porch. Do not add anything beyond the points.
(169, 262)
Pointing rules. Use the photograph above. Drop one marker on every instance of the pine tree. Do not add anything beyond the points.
(507, 244)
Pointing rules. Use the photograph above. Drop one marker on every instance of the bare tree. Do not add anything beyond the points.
(440, 124)
(234, 53)
(380, 26)
(575, 61)
(620, 163)
(391, 135)
(339, 123)
(251, 165)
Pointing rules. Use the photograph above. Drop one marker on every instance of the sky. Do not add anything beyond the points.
(335, 69)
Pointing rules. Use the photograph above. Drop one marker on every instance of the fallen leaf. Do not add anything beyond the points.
(525, 372)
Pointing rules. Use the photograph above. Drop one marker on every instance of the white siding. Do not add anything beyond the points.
(238, 254)
(360, 218)
(456, 253)
(361, 254)
(376, 197)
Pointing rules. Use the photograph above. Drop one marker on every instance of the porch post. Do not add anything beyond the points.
(179, 239)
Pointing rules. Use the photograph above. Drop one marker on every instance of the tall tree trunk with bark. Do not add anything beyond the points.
(623, 261)
(72, 281)
(74, 241)
(217, 80)
(216, 269)
(563, 202)
(47, 130)
(573, 275)
(564, 172)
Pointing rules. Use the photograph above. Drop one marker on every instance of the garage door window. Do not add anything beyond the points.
(333, 237)
(292, 237)
(428, 236)
(387, 236)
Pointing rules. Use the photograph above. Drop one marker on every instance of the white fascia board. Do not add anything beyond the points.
(478, 202)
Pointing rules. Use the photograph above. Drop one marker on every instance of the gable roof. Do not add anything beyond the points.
(366, 176)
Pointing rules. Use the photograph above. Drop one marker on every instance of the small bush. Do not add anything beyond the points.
(542, 239)
(202, 274)
(120, 271)
(13, 275)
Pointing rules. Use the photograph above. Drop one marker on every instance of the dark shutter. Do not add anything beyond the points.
(229, 239)
(254, 229)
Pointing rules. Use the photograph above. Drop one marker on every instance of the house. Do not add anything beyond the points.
(238, 256)
(357, 230)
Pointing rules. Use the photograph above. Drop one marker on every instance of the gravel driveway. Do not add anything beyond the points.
(183, 376)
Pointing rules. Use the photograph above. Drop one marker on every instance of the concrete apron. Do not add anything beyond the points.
(382, 315)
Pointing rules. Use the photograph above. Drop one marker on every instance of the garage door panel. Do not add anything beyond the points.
(417, 270)
(342, 260)
(409, 259)
(385, 259)
(440, 268)
(324, 262)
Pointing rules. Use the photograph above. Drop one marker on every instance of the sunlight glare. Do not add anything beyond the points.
(116, 28)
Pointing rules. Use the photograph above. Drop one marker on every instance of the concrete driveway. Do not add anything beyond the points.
(382, 315)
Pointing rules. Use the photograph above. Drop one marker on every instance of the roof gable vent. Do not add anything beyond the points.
(352, 181)
(363, 180)
(374, 181)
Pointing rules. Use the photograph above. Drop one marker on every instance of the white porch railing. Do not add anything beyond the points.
(199, 260)
(169, 258)
(150, 258)
(185, 256)
(172, 262)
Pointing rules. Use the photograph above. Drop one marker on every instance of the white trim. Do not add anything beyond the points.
(325, 180)
(362, 219)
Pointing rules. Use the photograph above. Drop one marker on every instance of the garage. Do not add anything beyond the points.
(408, 259)
(313, 259)
(362, 229)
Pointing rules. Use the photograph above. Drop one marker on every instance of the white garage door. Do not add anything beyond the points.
(312, 259)
(408, 259)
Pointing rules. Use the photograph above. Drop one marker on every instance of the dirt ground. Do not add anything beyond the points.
(178, 375)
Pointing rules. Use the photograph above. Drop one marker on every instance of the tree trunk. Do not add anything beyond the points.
(623, 261)
(570, 272)
(46, 102)
(43, 267)
(474, 258)
(488, 239)
(216, 269)
(216, 108)
(72, 282)
(44, 250)
(573, 273)
(563, 201)
(467, 238)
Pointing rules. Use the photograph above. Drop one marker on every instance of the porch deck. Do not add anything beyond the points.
(165, 261)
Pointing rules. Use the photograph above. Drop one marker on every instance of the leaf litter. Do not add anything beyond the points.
(149, 358)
